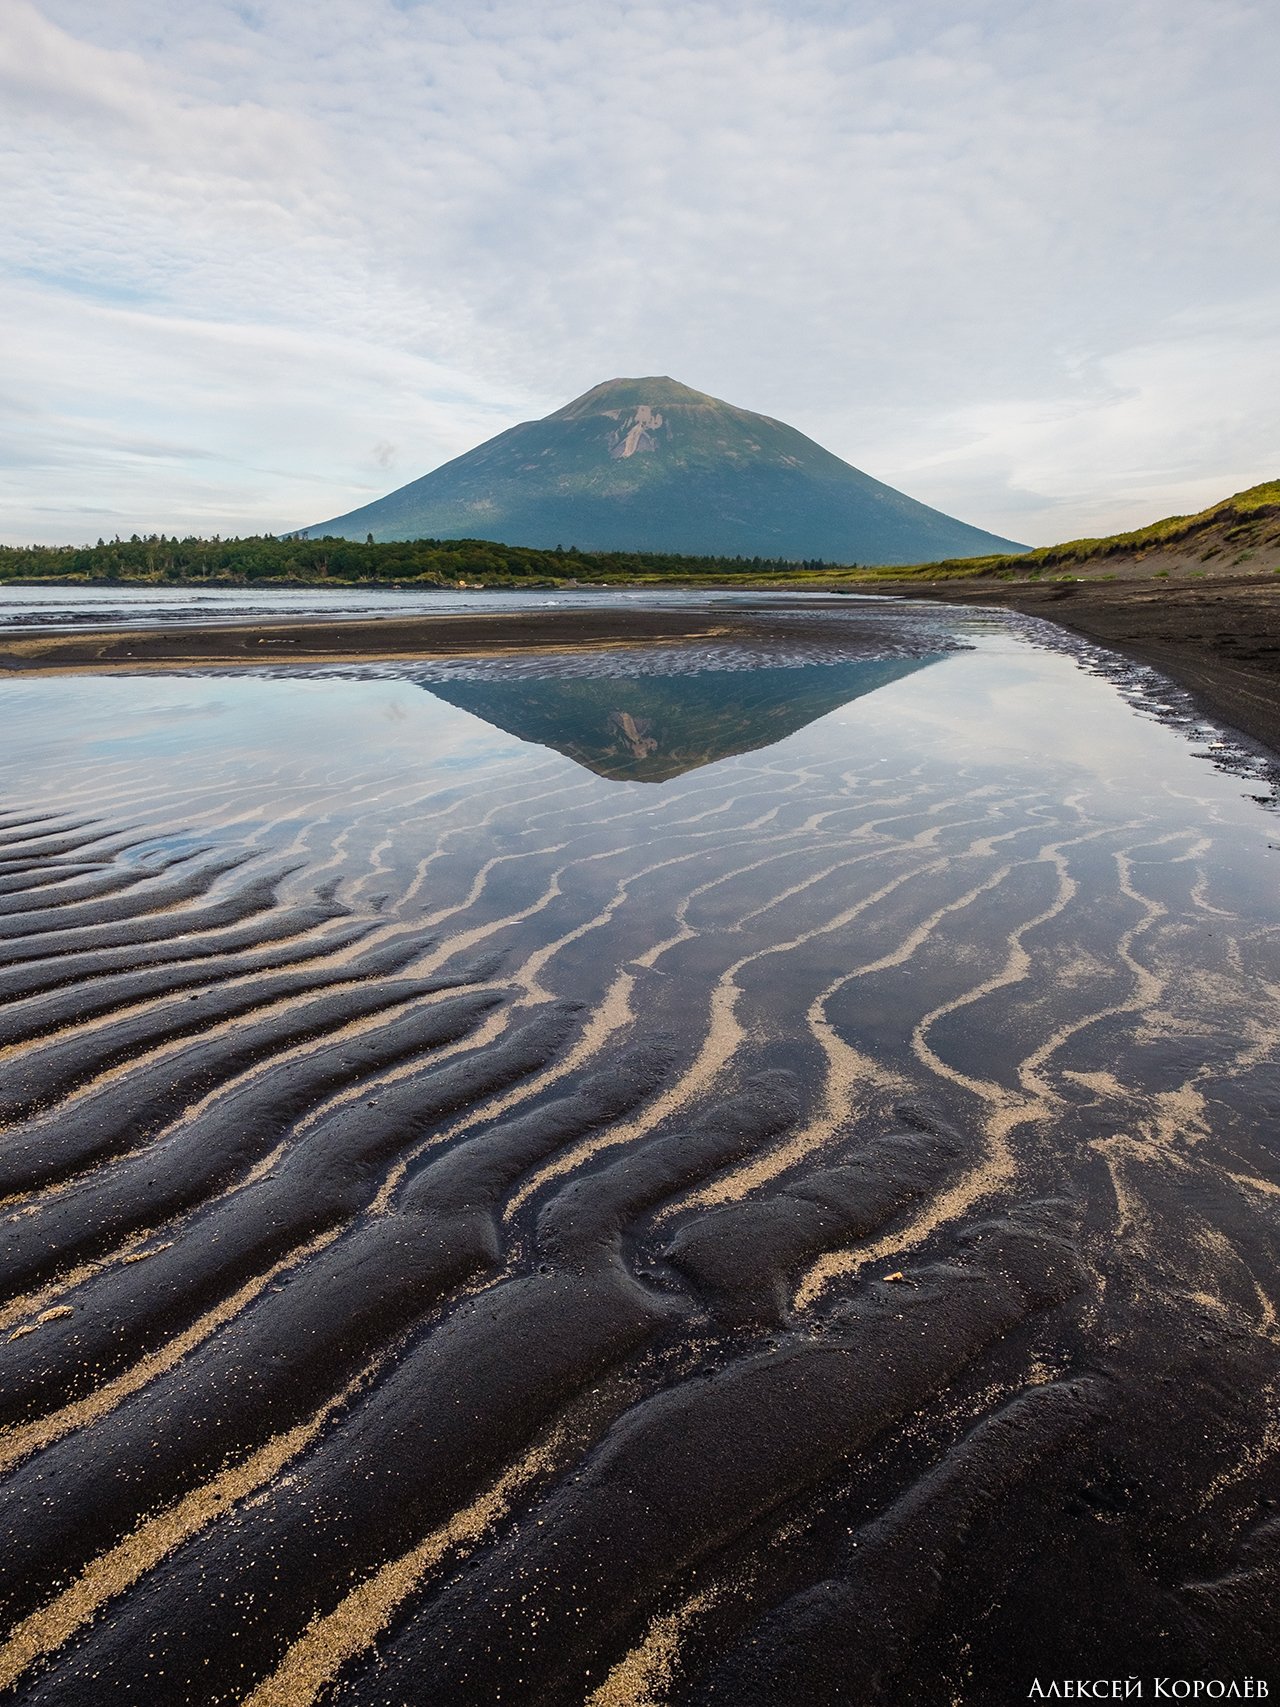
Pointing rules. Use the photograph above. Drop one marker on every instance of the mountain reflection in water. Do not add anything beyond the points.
(651, 728)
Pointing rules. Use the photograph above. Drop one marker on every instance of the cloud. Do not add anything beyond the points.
(1169, 425)
(1019, 255)
(146, 422)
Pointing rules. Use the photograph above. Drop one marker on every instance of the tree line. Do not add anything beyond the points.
(156, 559)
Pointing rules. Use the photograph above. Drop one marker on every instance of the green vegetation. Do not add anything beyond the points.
(159, 561)
(1241, 520)
(1172, 528)
(1238, 518)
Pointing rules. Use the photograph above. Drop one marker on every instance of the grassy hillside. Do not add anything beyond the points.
(1241, 534)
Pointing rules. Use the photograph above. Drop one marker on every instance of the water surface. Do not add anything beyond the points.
(35, 608)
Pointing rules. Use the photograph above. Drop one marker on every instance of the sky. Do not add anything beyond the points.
(262, 263)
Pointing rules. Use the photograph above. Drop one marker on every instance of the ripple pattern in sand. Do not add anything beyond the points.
(523, 1238)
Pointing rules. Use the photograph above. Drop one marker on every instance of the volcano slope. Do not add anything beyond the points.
(651, 465)
(803, 1230)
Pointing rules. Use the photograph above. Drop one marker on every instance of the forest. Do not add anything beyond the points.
(158, 560)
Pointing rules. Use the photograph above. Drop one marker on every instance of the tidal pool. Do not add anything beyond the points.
(67, 605)
(680, 1174)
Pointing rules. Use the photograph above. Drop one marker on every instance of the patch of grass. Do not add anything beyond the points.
(1244, 511)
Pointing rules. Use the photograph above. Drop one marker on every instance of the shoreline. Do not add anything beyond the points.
(1219, 639)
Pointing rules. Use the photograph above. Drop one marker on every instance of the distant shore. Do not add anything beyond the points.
(1218, 637)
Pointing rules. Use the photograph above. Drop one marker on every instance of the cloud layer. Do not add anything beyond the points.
(266, 261)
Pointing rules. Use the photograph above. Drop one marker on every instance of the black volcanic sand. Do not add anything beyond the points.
(307, 640)
(806, 1233)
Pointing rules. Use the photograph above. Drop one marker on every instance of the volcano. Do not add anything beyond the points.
(649, 465)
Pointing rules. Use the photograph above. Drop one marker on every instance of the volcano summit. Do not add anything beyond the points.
(651, 465)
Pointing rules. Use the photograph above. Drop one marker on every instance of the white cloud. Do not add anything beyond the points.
(145, 422)
(1167, 426)
(1020, 260)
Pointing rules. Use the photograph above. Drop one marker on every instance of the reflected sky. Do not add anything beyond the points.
(987, 699)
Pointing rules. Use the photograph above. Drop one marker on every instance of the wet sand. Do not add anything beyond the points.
(802, 1233)
(303, 641)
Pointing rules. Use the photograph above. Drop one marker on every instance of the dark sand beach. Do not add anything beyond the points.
(654, 1157)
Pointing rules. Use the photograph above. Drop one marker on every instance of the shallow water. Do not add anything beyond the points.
(740, 1174)
(32, 608)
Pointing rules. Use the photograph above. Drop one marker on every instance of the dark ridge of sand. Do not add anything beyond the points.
(307, 641)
